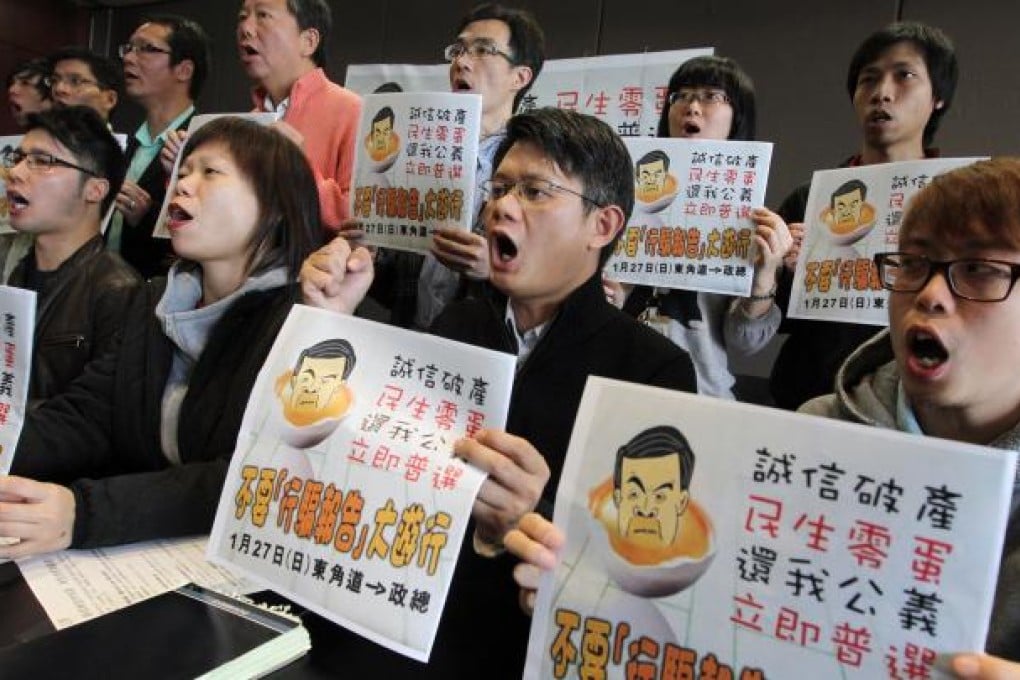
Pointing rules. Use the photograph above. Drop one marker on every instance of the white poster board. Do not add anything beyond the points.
(414, 167)
(17, 330)
(691, 226)
(627, 91)
(789, 546)
(342, 493)
(852, 214)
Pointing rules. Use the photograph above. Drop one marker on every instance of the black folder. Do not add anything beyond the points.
(184, 633)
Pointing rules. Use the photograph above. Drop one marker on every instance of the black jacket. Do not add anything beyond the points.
(587, 337)
(79, 312)
(150, 256)
(814, 350)
(106, 427)
(483, 632)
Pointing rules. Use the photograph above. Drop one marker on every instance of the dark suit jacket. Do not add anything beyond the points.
(483, 632)
(150, 256)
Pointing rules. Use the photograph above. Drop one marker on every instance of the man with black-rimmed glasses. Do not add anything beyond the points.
(560, 193)
(166, 61)
(946, 366)
(497, 52)
(60, 181)
(81, 77)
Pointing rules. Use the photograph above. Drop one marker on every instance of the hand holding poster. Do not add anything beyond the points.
(691, 226)
(263, 118)
(852, 214)
(342, 494)
(414, 167)
(791, 546)
(17, 329)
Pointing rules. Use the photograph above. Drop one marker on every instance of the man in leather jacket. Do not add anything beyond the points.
(60, 181)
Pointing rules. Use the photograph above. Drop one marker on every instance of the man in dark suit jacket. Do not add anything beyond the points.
(166, 61)
(560, 194)
(60, 181)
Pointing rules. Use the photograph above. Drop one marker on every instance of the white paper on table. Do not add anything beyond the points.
(77, 585)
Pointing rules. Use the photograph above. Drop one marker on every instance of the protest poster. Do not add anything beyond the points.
(691, 225)
(414, 167)
(8, 143)
(261, 117)
(790, 546)
(852, 214)
(342, 494)
(627, 91)
(17, 316)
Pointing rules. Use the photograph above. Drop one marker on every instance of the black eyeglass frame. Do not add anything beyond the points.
(945, 267)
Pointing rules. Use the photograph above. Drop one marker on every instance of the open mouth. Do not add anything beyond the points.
(461, 85)
(879, 117)
(691, 129)
(16, 202)
(927, 349)
(177, 215)
(506, 249)
(248, 51)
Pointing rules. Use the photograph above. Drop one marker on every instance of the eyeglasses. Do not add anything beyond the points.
(39, 161)
(141, 48)
(73, 81)
(971, 279)
(706, 97)
(476, 49)
(532, 191)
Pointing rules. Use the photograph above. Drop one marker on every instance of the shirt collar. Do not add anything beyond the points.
(279, 109)
(144, 134)
(527, 340)
(906, 419)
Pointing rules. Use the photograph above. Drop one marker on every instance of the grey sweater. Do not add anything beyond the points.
(866, 389)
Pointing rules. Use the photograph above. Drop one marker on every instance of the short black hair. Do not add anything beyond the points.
(387, 87)
(939, 57)
(187, 41)
(849, 186)
(37, 68)
(107, 72)
(527, 41)
(329, 349)
(382, 114)
(721, 72)
(652, 156)
(581, 146)
(661, 440)
(314, 14)
(290, 225)
(85, 134)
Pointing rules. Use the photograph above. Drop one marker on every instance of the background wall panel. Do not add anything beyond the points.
(983, 119)
(796, 51)
(33, 29)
